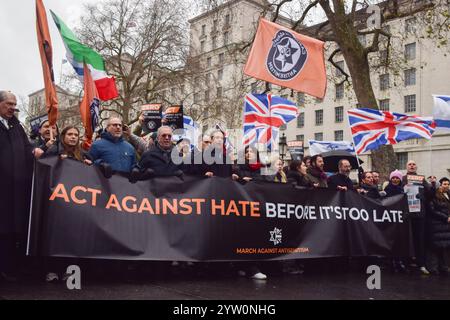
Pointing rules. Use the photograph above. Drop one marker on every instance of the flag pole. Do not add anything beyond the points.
(354, 146)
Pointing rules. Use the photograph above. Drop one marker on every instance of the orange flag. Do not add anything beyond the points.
(89, 108)
(45, 49)
(287, 58)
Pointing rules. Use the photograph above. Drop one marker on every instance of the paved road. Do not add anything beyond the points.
(183, 285)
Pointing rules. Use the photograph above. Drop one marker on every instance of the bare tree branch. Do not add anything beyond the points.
(331, 60)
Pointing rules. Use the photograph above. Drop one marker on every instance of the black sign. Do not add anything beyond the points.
(78, 213)
(152, 117)
(296, 150)
(173, 117)
(35, 123)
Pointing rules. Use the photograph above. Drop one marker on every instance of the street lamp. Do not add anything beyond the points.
(282, 146)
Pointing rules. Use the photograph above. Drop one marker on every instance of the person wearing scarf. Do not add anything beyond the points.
(251, 168)
(395, 184)
(315, 172)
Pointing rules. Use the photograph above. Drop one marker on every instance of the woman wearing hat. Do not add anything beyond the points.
(394, 188)
(395, 184)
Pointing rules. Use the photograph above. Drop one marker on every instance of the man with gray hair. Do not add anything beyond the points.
(159, 157)
(112, 152)
(16, 167)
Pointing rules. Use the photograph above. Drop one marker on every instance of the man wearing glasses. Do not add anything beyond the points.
(341, 180)
(112, 153)
(159, 157)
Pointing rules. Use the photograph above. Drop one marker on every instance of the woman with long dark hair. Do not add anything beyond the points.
(297, 174)
(251, 168)
(70, 142)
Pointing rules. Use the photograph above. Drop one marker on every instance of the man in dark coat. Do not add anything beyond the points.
(418, 219)
(159, 157)
(341, 180)
(315, 172)
(16, 166)
(216, 162)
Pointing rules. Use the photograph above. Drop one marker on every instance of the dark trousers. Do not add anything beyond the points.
(418, 234)
(8, 253)
(437, 259)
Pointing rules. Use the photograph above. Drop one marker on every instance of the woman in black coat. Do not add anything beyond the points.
(395, 184)
(297, 174)
(439, 229)
(251, 168)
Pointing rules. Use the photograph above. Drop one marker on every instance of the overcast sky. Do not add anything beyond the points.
(20, 65)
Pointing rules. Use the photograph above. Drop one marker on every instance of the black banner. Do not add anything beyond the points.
(76, 212)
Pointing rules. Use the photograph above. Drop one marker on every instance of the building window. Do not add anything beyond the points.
(384, 105)
(410, 103)
(339, 135)
(207, 96)
(341, 65)
(208, 62)
(300, 98)
(410, 51)
(182, 88)
(203, 29)
(172, 92)
(410, 77)
(338, 114)
(319, 117)
(202, 46)
(214, 25)
(339, 91)
(318, 136)
(219, 92)
(383, 56)
(196, 97)
(254, 87)
(301, 120)
(362, 39)
(410, 25)
(220, 74)
(221, 58)
(402, 158)
(208, 78)
(214, 42)
(300, 137)
(227, 21)
(384, 81)
(225, 38)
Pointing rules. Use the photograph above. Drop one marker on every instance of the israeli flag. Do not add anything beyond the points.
(317, 147)
(441, 112)
(190, 131)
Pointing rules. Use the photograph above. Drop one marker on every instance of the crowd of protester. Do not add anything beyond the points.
(117, 149)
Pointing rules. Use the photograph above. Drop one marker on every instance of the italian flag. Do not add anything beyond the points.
(77, 53)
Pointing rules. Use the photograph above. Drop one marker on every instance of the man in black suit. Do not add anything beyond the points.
(16, 167)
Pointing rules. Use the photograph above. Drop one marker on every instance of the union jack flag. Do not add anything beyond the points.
(263, 115)
(373, 128)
